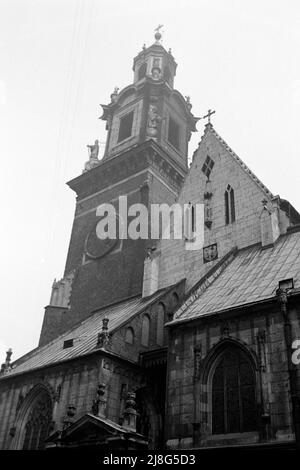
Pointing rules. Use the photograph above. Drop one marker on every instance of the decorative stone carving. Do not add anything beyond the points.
(156, 69)
(6, 366)
(69, 417)
(210, 253)
(94, 150)
(114, 95)
(57, 393)
(197, 359)
(261, 340)
(99, 403)
(93, 156)
(153, 120)
(12, 431)
(104, 338)
(208, 204)
(130, 413)
(225, 329)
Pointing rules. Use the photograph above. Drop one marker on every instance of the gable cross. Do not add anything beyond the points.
(208, 115)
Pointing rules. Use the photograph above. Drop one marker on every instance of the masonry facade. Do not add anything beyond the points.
(148, 344)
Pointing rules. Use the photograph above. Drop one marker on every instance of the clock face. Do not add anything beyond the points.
(95, 247)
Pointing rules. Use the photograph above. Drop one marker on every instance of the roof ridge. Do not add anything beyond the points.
(209, 128)
(197, 290)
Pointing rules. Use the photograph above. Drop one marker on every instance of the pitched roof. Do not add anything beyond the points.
(252, 275)
(210, 129)
(84, 335)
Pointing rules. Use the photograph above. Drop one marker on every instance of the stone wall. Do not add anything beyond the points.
(191, 346)
(176, 262)
(69, 384)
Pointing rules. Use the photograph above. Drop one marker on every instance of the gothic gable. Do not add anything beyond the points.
(232, 198)
(96, 431)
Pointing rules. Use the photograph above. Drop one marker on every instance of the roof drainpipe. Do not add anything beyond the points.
(282, 295)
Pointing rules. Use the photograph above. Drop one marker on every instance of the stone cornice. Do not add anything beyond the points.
(134, 160)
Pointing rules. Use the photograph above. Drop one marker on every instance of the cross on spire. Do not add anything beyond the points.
(208, 115)
(158, 34)
(158, 28)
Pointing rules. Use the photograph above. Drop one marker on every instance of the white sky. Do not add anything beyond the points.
(59, 59)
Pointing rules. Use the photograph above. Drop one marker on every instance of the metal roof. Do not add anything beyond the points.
(84, 335)
(251, 276)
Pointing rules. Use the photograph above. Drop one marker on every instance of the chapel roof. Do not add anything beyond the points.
(248, 276)
(84, 335)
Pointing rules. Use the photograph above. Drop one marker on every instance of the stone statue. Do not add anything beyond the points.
(153, 117)
(93, 150)
(153, 120)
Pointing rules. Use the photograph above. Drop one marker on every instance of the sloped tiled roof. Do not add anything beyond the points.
(84, 335)
(251, 276)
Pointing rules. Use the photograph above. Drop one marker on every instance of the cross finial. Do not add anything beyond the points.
(158, 28)
(208, 115)
(158, 33)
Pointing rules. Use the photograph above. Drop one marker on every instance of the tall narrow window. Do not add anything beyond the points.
(129, 335)
(125, 128)
(229, 205)
(233, 394)
(145, 330)
(142, 71)
(173, 133)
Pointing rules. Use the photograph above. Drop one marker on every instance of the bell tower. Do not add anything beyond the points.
(149, 125)
(150, 108)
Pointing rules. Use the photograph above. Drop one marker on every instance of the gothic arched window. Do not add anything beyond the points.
(145, 330)
(160, 324)
(38, 423)
(129, 335)
(142, 71)
(229, 205)
(233, 394)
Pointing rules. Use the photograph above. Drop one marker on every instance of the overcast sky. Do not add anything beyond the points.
(59, 59)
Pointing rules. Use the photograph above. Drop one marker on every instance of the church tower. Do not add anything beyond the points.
(149, 126)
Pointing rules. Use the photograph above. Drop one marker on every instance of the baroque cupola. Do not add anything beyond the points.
(150, 108)
(155, 62)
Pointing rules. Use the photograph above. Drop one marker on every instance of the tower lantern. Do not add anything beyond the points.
(150, 108)
(155, 62)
